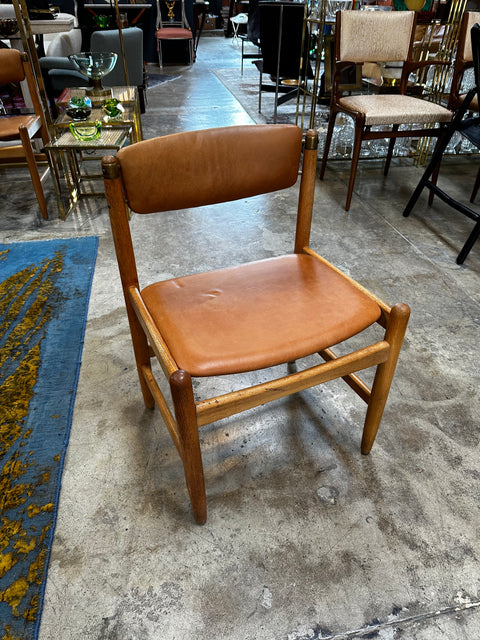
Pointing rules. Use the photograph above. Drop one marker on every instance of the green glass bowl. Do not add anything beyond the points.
(85, 131)
(113, 109)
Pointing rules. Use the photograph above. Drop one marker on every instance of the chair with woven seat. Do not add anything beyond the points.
(379, 37)
(248, 317)
(18, 131)
(469, 127)
(172, 25)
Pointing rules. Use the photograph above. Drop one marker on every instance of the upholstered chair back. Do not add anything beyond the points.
(466, 53)
(191, 162)
(133, 46)
(375, 36)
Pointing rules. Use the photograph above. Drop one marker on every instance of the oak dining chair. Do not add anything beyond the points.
(247, 317)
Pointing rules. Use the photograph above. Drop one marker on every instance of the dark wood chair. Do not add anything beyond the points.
(251, 316)
(379, 36)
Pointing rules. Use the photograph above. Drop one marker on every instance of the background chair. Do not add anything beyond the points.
(281, 33)
(18, 132)
(248, 317)
(133, 45)
(463, 62)
(59, 73)
(468, 127)
(380, 36)
(252, 36)
(172, 25)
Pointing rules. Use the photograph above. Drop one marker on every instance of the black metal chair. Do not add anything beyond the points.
(281, 38)
(469, 127)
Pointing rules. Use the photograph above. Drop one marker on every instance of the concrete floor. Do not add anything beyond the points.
(305, 537)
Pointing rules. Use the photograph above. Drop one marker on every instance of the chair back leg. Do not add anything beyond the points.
(391, 146)
(159, 53)
(34, 173)
(357, 145)
(328, 142)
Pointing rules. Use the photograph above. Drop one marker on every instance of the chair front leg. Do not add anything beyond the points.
(397, 325)
(432, 169)
(436, 170)
(185, 413)
(472, 238)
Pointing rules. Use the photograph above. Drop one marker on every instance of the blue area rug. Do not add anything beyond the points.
(44, 293)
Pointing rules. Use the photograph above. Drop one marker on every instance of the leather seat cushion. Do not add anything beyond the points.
(173, 33)
(256, 315)
(9, 126)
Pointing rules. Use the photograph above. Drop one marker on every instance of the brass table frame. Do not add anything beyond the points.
(68, 153)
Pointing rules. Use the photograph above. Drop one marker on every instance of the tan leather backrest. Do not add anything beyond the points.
(11, 66)
(197, 168)
(375, 36)
(465, 48)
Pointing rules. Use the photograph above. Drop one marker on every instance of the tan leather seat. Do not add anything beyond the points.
(247, 317)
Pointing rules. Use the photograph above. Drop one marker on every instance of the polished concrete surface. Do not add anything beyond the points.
(305, 538)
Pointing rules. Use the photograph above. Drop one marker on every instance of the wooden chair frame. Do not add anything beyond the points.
(362, 130)
(191, 414)
(29, 127)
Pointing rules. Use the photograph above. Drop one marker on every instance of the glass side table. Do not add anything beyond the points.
(128, 96)
(127, 121)
(68, 153)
